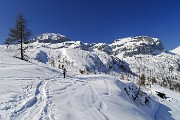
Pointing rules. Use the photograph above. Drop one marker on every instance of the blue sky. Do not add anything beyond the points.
(96, 20)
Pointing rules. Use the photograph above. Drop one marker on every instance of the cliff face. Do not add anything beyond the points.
(130, 46)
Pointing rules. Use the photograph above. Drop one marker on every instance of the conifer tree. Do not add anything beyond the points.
(20, 33)
(141, 82)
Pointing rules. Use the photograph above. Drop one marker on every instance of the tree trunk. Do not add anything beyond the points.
(22, 57)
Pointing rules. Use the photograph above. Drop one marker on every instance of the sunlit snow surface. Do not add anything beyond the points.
(176, 50)
(35, 91)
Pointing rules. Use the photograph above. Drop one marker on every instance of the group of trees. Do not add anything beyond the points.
(19, 33)
(142, 81)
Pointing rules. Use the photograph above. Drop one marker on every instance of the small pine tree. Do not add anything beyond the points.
(153, 80)
(141, 82)
(19, 33)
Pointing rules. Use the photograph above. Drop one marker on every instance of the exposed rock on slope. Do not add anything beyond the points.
(137, 45)
(51, 38)
(103, 47)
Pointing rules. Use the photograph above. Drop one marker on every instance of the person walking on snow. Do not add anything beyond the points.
(64, 71)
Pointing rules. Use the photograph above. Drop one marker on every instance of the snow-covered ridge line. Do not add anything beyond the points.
(137, 45)
(51, 38)
(176, 50)
(121, 47)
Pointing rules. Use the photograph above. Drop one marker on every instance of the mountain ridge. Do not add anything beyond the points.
(51, 38)
(176, 50)
(129, 46)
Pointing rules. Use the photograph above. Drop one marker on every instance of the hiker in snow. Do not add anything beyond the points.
(62, 66)
(64, 71)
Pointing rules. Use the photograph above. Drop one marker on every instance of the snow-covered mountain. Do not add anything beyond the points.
(51, 38)
(132, 55)
(102, 80)
(137, 45)
(146, 55)
(176, 50)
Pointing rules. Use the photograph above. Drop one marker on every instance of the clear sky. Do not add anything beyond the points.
(96, 20)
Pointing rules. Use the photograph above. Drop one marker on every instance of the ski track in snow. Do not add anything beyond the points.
(91, 100)
(83, 95)
(101, 104)
(39, 95)
(37, 104)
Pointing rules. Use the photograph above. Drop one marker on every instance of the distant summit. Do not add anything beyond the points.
(125, 47)
(51, 38)
(137, 45)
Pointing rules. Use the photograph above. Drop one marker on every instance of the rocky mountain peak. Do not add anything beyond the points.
(51, 38)
(137, 45)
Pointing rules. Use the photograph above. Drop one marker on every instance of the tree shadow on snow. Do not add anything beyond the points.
(163, 113)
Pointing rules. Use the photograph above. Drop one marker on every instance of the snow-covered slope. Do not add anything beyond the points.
(176, 50)
(83, 57)
(36, 91)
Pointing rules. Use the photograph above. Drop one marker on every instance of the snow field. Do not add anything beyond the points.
(36, 91)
